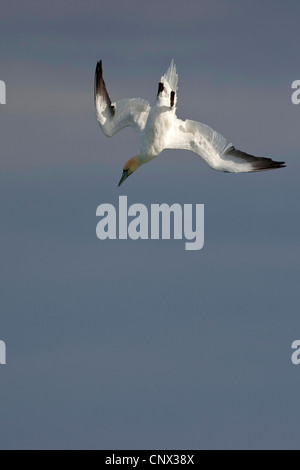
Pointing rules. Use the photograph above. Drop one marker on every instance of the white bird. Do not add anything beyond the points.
(160, 129)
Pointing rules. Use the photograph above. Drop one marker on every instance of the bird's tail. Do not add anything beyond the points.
(171, 76)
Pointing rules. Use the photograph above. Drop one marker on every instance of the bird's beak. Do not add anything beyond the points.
(125, 175)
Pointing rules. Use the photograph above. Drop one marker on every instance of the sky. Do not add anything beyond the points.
(122, 344)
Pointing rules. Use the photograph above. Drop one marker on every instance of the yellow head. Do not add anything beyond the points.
(129, 167)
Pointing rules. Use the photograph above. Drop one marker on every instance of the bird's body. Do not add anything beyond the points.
(154, 137)
(160, 129)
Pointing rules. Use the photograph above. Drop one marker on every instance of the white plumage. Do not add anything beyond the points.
(160, 129)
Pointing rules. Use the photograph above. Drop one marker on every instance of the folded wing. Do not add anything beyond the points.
(113, 117)
(215, 150)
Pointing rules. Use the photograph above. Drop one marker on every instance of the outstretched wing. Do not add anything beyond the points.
(113, 117)
(215, 150)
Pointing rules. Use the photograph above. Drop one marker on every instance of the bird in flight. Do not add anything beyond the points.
(160, 129)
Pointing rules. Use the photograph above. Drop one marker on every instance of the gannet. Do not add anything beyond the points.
(160, 129)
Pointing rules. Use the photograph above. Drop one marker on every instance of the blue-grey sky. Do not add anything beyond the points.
(141, 344)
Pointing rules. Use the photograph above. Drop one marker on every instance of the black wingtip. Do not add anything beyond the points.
(267, 164)
(100, 87)
(99, 67)
(98, 78)
(257, 163)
